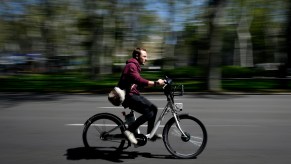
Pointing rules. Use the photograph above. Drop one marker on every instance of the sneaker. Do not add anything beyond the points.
(156, 137)
(130, 136)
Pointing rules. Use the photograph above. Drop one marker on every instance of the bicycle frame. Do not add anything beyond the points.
(166, 110)
(169, 107)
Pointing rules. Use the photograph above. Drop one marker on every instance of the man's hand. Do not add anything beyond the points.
(160, 82)
(156, 83)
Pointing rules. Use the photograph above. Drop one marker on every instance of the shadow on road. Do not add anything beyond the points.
(83, 153)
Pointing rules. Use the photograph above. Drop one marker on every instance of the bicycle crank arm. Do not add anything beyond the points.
(113, 137)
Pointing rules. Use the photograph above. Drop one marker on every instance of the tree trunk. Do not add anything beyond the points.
(215, 37)
(48, 36)
(288, 35)
(244, 41)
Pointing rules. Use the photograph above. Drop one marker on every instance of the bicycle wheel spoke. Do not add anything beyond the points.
(176, 132)
(104, 128)
(194, 141)
(97, 128)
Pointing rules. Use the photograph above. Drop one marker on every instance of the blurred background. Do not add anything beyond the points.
(207, 45)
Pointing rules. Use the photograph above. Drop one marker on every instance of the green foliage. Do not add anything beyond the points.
(47, 83)
(74, 82)
(250, 85)
(185, 72)
(238, 72)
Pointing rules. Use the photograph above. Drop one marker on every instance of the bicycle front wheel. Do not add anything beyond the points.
(189, 145)
(104, 132)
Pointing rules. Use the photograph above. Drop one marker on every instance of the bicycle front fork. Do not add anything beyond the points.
(177, 120)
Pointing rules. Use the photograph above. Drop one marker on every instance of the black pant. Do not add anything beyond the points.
(143, 106)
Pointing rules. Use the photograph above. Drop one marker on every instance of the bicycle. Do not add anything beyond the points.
(184, 136)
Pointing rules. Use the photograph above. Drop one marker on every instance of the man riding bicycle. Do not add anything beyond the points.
(131, 81)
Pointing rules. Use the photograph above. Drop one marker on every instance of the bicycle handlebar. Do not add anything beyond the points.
(168, 80)
(169, 90)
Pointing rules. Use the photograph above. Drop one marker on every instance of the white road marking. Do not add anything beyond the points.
(164, 100)
(164, 125)
(105, 107)
(233, 125)
(105, 125)
(113, 107)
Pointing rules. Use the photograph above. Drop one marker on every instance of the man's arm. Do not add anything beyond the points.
(137, 79)
(134, 75)
(156, 83)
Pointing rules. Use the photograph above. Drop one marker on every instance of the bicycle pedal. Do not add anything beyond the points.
(141, 139)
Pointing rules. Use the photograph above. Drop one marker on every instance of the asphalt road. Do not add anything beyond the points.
(46, 129)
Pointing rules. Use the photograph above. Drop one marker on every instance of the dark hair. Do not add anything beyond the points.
(136, 52)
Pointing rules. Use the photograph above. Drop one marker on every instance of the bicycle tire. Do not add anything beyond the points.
(181, 146)
(95, 130)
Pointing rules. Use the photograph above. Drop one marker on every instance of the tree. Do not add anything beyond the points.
(244, 41)
(215, 38)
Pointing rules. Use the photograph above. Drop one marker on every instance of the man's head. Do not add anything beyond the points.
(140, 54)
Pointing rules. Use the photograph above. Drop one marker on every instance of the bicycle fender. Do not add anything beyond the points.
(104, 115)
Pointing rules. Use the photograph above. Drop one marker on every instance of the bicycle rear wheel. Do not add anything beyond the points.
(188, 146)
(104, 132)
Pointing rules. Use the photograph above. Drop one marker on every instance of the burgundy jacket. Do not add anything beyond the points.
(130, 79)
